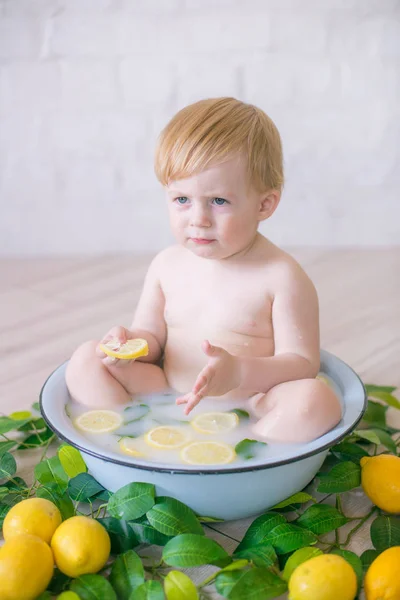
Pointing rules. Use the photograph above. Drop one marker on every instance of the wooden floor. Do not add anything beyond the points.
(49, 306)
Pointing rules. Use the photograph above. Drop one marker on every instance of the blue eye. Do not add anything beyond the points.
(220, 201)
(182, 200)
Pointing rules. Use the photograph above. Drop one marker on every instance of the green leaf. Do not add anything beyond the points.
(248, 448)
(36, 406)
(146, 534)
(226, 581)
(6, 446)
(131, 501)
(242, 414)
(261, 555)
(36, 440)
(178, 586)
(341, 478)
(121, 534)
(135, 413)
(8, 466)
(7, 424)
(236, 565)
(35, 424)
(258, 584)
(353, 561)
(385, 532)
(375, 413)
(83, 487)
(191, 550)
(93, 587)
(367, 558)
(72, 461)
(127, 573)
(50, 491)
(299, 498)
(21, 415)
(151, 590)
(347, 451)
(171, 517)
(209, 519)
(51, 471)
(287, 537)
(259, 530)
(58, 582)
(3, 511)
(372, 389)
(321, 518)
(297, 558)
(44, 596)
(377, 436)
(386, 397)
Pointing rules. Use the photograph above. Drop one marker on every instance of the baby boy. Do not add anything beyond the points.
(225, 312)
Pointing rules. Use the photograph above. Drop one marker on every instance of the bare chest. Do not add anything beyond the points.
(217, 303)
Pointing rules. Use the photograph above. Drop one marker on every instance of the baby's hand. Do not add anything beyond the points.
(220, 376)
(116, 333)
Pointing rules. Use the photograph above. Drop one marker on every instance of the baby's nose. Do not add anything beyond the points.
(200, 217)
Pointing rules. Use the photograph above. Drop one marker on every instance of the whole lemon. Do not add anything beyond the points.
(380, 479)
(382, 580)
(324, 577)
(80, 545)
(35, 516)
(26, 567)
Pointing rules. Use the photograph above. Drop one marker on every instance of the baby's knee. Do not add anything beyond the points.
(83, 355)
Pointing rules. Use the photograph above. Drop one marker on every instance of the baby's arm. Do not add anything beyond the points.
(295, 318)
(148, 321)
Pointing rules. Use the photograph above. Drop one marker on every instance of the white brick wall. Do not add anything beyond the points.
(86, 86)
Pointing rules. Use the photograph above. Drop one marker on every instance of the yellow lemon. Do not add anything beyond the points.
(215, 422)
(382, 581)
(325, 577)
(208, 453)
(68, 596)
(80, 545)
(127, 351)
(35, 516)
(26, 567)
(99, 421)
(166, 437)
(324, 379)
(380, 479)
(129, 446)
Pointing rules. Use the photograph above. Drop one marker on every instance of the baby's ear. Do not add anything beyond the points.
(268, 204)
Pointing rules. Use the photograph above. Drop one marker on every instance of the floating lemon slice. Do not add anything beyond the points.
(324, 379)
(130, 349)
(166, 437)
(99, 421)
(208, 453)
(129, 446)
(215, 422)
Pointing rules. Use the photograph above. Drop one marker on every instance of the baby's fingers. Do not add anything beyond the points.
(183, 399)
(201, 381)
(194, 400)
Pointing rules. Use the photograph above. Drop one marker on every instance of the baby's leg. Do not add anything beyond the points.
(93, 383)
(296, 411)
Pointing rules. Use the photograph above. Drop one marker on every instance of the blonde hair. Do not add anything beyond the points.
(210, 131)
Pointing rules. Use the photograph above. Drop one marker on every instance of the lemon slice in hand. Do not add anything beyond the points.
(99, 421)
(129, 446)
(208, 453)
(215, 422)
(166, 437)
(130, 349)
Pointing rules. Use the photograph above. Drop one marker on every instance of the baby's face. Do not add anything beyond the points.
(215, 213)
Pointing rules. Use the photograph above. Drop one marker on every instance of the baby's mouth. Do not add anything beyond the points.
(201, 240)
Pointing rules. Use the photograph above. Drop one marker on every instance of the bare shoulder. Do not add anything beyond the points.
(166, 257)
(285, 271)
